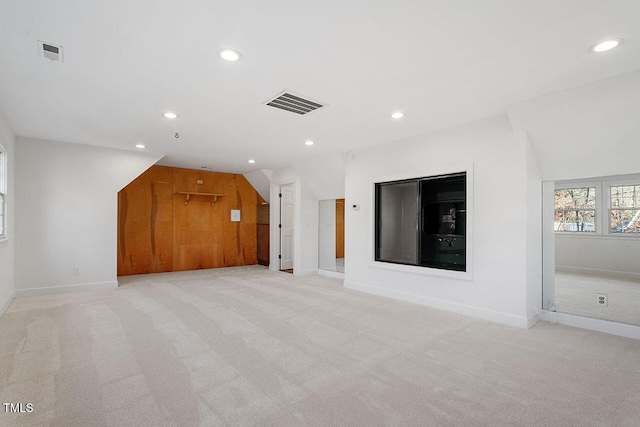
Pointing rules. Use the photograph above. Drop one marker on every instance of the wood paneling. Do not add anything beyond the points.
(263, 233)
(263, 244)
(204, 236)
(263, 214)
(185, 237)
(340, 228)
(145, 228)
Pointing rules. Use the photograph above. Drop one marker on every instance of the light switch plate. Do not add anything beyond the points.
(235, 215)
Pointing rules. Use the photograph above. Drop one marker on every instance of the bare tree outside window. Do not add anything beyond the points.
(624, 209)
(575, 210)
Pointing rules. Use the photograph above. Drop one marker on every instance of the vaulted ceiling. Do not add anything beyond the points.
(125, 63)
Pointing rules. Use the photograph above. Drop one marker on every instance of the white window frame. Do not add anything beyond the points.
(602, 204)
(420, 270)
(597, 197)
(631, 181)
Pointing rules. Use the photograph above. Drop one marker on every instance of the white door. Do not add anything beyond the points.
(286, 227)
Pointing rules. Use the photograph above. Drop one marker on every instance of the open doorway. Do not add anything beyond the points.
(331, 237)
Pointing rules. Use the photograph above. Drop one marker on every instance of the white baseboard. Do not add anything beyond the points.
(533, 320)
(329, 273)
(589, 323)
(598, 272)
(494, 316)
(7, 303)
(66, 288)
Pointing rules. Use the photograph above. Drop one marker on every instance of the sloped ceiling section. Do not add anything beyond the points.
(588, 131)
(261, 180)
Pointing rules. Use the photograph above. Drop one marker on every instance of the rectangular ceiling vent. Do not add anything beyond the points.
(294, 103)
(50, 51)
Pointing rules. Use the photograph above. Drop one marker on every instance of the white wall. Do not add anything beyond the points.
(534, 236)
(503, 286)
(7, 248)
(308, 257)
(324, 174)
(66, 206)
(615, 255)
(327, 234)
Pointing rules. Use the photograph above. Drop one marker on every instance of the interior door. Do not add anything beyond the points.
(286, 229)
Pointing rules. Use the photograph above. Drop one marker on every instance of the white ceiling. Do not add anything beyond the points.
(443, 63)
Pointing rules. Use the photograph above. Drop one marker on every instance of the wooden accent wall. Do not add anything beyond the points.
(157, 232)
(145, 223)
(340, 228)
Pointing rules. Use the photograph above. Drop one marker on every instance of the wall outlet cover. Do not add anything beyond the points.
(235, 215)
(602, 300)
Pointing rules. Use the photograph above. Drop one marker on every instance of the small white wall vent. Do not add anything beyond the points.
(49, 50)
(294, 103)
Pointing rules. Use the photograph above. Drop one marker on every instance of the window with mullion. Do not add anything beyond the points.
(624, 209)
(575, 209)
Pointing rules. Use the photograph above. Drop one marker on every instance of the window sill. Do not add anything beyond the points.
(4, 241)
(564, 235)
(423, 271)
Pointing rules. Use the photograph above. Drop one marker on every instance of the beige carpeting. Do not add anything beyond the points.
(248, 346)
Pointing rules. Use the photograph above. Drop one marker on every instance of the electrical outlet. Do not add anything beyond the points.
(76, 270)
(602, 300)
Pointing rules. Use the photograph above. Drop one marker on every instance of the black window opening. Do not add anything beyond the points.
(423, 222)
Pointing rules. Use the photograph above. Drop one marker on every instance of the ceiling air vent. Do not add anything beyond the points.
(50, 51)
(294, 103)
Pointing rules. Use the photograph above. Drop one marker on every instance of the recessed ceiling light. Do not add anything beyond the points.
(308, 143)
(606, 45)
(170, 115)
(230, 55)
(397, 115)
(251, 161)
(141, 146)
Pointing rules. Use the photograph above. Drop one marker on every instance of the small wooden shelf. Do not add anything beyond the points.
(188, 194)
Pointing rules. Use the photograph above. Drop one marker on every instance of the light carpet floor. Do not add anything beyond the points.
(247, 346)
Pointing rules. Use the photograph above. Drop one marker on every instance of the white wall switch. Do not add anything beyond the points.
(235, 215)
